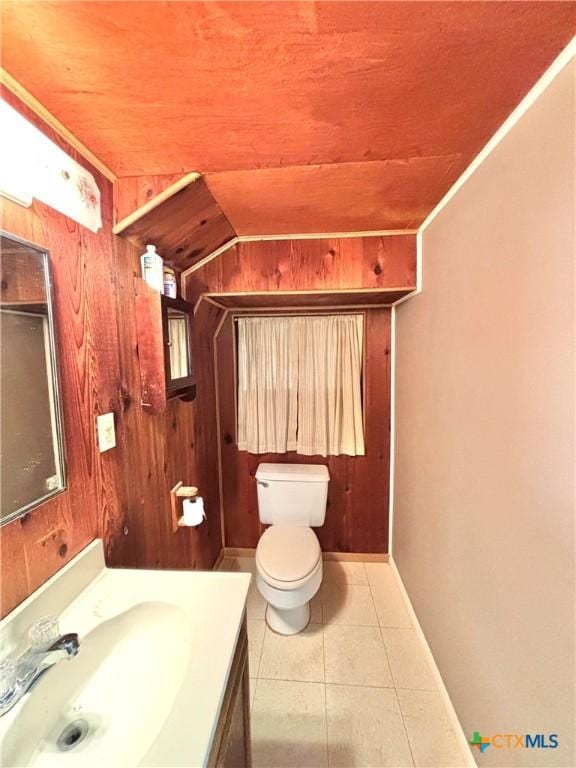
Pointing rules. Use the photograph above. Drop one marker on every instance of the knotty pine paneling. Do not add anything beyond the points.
(121, 495)
(357, 513)
(315, 264)
(163, 449)
(357, 516)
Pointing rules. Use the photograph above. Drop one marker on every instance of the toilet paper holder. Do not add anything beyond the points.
(177, 493)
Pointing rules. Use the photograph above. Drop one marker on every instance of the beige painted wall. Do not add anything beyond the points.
(484, 463)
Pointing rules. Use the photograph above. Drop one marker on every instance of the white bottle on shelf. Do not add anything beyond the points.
(153, 268)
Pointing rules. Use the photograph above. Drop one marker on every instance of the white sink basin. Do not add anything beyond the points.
(119, 689)
(147, 684)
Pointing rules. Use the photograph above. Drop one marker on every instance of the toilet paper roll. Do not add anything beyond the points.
(193, 511)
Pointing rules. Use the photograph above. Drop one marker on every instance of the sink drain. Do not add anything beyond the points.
(72, 735)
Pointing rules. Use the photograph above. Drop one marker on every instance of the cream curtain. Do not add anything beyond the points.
(178, 335)
(300, 385)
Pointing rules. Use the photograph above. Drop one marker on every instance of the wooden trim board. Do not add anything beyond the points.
(329, 235)
(218, 431)
(297, 311)
(355, 557)
(39, 109)
(319, 298)
(157, 200)
(205, 259)
(209, 299)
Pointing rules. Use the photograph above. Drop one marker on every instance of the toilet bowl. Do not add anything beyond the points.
(291, 500)
(288, 575)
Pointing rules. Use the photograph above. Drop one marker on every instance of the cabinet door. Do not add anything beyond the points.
(235, 752)
(165, 356)
(231, 747)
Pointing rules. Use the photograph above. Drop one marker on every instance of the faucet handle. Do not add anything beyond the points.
(44, 632)
(8, 669)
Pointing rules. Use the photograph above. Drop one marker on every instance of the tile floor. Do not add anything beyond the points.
(353, 689)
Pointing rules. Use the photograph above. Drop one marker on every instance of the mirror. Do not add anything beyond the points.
(32, 456)
(179, 344)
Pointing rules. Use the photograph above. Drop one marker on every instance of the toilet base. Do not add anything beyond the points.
(288, 621)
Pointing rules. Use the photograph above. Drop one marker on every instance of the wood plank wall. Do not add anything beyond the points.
(357, 515)
(309, 264)
(132, 192)
(123, 494)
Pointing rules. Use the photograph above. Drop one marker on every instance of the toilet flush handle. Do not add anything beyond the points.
(262, 483)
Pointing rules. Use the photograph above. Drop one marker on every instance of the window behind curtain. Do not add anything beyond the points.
(300, 384)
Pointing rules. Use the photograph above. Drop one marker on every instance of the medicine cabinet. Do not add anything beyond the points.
(165, 350)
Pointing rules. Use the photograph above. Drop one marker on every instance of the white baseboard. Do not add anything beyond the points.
(453, 717)
(355, 557)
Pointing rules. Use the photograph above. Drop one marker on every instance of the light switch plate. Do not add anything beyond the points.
(106, 432)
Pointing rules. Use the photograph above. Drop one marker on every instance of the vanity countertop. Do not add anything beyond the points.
(210, 608)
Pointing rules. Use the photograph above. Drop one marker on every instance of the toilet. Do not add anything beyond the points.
(291, 500)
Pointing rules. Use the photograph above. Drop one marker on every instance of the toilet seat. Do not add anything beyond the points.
(287, 555)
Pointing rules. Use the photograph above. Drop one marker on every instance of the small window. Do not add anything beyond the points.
(300, 384)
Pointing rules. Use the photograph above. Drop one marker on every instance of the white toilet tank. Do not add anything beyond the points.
(292, 494)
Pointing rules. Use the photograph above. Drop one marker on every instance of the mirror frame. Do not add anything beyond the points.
(55, 381)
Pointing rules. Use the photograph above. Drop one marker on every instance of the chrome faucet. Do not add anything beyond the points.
(19, 676)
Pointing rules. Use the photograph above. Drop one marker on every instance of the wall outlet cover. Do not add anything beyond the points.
(106, 432)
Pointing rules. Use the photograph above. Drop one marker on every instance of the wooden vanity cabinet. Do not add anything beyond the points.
(232, 747)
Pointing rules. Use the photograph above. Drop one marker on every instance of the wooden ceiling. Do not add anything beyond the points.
(306, 116)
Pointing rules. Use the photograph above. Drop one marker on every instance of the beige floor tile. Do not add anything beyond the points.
(348, 604)
(253, 684)
(375, 572)
(228, 564)
(293, 657)
(355, 656)
(255, 604)
(256, 630)
(289, 725)
(245, 564)
(389, 602)
(365, 728)
(344, 572)
(316, 608)
(408, 662)
(433, 742)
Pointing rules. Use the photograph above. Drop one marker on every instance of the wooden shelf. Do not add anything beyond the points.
(184, 222)
(367, 297)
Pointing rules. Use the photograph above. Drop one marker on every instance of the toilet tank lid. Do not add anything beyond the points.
(292, 473)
